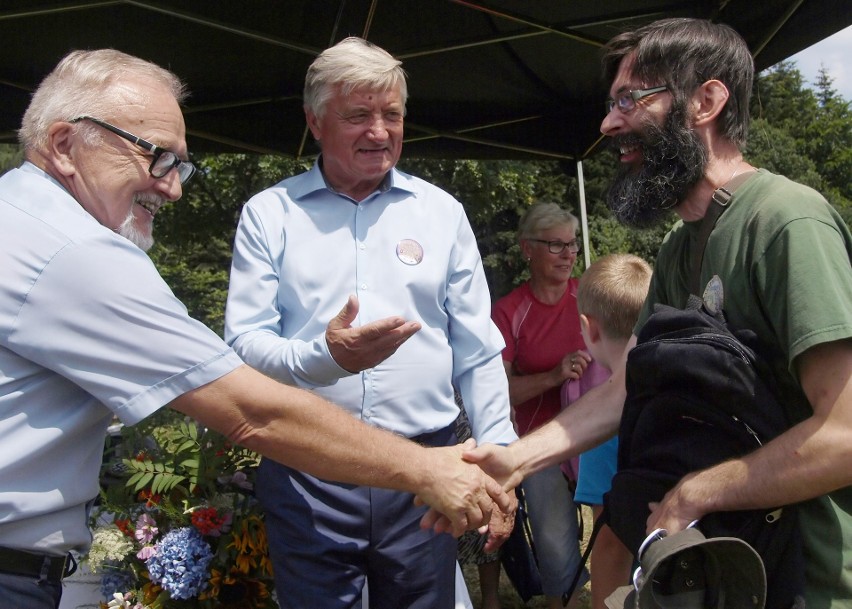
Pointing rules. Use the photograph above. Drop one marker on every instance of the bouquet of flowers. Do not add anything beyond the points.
(180, 527)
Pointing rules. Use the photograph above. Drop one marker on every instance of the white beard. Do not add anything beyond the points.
(129, 231)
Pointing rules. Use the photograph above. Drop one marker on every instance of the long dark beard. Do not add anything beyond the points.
(674, 160)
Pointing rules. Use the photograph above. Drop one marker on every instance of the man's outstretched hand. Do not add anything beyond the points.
(498, 462)
(362, 347)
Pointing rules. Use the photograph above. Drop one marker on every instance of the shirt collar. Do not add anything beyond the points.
(30, 167)
(314, 181)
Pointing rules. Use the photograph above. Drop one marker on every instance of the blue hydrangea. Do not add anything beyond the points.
(180, 564)
(115, 579)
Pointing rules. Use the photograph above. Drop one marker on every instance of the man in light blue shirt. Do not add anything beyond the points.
(89, 330)
(399, 256)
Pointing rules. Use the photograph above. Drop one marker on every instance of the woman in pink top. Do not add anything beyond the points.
(544, 348)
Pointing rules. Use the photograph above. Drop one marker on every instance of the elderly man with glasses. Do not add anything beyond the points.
(89, 330)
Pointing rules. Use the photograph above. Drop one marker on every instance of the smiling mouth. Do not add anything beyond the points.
(628, 148)
(151, 206)
(627, 145)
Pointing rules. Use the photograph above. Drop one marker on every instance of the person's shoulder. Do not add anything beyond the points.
(778, 193)
(44, 216)
(772, 202)
(289, 189)
(510, 301)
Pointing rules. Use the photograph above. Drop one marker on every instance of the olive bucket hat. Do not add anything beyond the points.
(689, 571)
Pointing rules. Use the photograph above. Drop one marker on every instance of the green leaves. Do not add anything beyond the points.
(177, 465)
(161, 478)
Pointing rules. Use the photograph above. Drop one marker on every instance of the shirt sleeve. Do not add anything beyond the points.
(477, 344)
(101, 316)
(252, 316)
(806, 290)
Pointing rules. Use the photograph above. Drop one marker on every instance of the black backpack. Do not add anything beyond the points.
(699, 393)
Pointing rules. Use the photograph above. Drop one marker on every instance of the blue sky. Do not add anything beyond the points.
(835, 53)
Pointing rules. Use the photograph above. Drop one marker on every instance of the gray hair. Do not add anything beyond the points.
(543, 216)
(685, 53)
(353, 63)
(84, 83)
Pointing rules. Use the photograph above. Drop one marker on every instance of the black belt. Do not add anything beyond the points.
(46, 568)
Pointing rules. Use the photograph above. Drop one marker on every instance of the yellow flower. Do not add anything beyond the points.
(233, 590)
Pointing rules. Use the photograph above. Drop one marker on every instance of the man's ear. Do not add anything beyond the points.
(61, 146)
(708, 100)
(313, 124)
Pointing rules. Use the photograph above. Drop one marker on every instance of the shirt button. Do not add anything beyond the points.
(363, 286)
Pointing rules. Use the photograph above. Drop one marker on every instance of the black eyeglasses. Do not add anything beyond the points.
(164, 160)
(557, 247)
(626, 101)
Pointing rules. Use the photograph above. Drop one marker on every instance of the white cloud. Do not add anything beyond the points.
(834, 54)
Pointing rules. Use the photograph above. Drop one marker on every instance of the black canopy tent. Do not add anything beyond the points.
(487, 78)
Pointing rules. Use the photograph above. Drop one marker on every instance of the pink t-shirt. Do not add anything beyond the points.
(537, 337)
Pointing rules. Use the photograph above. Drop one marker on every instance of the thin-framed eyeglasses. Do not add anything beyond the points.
(557, 247)
(626, 100)
(164, 160)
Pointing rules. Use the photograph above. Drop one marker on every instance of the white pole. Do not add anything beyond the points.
(584, 218)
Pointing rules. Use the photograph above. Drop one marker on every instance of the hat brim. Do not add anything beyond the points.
(737, 571)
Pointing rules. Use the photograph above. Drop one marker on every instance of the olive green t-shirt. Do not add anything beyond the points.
(783, 255)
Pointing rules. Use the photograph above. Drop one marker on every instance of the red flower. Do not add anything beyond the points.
(151, 500)
(123, 525)
(208, 521)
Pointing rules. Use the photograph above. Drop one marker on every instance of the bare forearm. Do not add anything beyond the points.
(305, 432)
(586, 423)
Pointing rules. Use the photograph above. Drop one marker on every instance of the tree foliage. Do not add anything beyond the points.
(196, 234)
(803, 133)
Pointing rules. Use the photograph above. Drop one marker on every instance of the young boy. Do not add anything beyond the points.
(609, 298)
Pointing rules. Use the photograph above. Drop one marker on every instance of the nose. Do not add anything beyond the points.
(169, 186)
(611, 122)
(378, 130)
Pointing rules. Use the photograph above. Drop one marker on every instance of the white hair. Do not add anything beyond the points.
(353, 63)
(543, 216)
(84, 83)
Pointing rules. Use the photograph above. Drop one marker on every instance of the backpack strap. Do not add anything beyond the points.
(718, 204)
(600, 521)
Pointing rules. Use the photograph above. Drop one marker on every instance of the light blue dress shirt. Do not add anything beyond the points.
(301, 249)
(88, 330)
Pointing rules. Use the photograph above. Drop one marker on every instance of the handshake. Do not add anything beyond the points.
(468, 487)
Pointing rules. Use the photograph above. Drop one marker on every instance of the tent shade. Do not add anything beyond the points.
(487, 79)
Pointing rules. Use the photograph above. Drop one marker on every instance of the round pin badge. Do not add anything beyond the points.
(409, 251)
